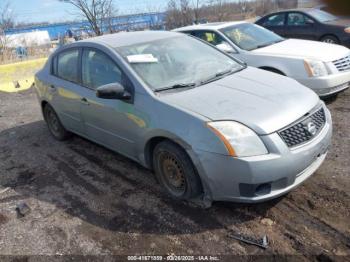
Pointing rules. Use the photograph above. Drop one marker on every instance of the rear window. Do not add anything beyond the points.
(65, 65)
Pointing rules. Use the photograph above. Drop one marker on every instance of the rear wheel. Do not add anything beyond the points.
(54, 124)
(330, 39)
(175, 171)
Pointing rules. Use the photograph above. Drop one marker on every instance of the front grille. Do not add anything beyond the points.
(342, 64)
(304, 130)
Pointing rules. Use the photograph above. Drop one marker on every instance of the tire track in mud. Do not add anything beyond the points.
(304, 218)
(200, 218)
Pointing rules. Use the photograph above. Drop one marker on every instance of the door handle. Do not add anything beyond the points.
(84, 101)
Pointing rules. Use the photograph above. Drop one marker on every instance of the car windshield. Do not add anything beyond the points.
(322, 16)
(250, 36)
(180, 61)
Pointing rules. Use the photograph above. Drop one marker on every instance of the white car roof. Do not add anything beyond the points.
(212, 26)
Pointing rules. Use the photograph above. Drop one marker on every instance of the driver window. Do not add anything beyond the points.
(298, 19)
(211, 37)
(98, 69)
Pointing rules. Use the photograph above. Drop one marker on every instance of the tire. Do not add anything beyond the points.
(330, 39)
(175, 171)
(54, 124)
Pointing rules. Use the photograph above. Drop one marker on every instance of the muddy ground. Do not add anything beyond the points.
(87, 200)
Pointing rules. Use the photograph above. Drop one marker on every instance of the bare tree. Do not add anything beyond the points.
(196, 10)
(6, 22)
(219, 9)
(179, 13)
(98, 13)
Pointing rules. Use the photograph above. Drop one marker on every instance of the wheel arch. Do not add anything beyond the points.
(152, 143)
(272, 69)
(332, 35)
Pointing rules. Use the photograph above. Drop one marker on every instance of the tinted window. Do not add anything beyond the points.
(274, 20)
(67, 66)
(298, 19)
(211, 37)
(98, 70)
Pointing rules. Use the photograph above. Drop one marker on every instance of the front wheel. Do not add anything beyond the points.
(54, 124)
(175, 171)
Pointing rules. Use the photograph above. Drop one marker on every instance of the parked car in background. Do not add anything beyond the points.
(208, 125)
(310, 24)
(323, 67)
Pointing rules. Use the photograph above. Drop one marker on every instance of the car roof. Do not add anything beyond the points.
(305, 10)
(130, 38)
(212, 26)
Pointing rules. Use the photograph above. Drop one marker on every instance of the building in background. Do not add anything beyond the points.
(121, 23)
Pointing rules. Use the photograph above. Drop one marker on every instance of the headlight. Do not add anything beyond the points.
(315, 68)
(347, 30)
(239, 140)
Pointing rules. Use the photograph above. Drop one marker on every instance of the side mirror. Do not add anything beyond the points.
(113, 91)
(226, 47)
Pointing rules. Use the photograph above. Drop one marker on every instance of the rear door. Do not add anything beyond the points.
(64, 90)
(275, 23)
(300, 25)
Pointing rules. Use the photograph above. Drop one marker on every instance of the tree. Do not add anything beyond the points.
(179, 13)
(98, 13)
(6, 22)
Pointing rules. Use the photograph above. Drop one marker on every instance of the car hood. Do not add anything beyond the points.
(264, 101)
(305, 49)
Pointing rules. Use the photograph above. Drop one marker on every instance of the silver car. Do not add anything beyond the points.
(210, 127)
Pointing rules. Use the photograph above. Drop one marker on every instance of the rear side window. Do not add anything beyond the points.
(98, 69)
(65, 65)
(275, 20)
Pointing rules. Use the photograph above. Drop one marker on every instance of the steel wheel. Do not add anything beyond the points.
(52, 121)
(175, 171)
(54, 124)
(174, 176)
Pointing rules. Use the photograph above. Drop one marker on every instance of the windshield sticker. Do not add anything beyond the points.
(143, 58)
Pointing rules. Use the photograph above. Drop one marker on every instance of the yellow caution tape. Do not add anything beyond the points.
(19, 76)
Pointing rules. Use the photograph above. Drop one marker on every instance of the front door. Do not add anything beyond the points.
(107, 121)
(301, 26)
(276, 23)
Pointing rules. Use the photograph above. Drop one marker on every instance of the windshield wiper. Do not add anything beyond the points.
(219, 75)
(268, 44)
(176, 86)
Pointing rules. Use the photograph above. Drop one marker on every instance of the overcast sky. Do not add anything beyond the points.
(55, 11)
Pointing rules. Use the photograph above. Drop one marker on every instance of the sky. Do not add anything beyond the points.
(55, 11)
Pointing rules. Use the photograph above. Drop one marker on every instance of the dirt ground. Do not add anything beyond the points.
(87, 200)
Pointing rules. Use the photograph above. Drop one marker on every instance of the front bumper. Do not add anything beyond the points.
(246, 179)
(328, 85)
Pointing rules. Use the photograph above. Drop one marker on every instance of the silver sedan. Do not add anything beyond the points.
(210, 127)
